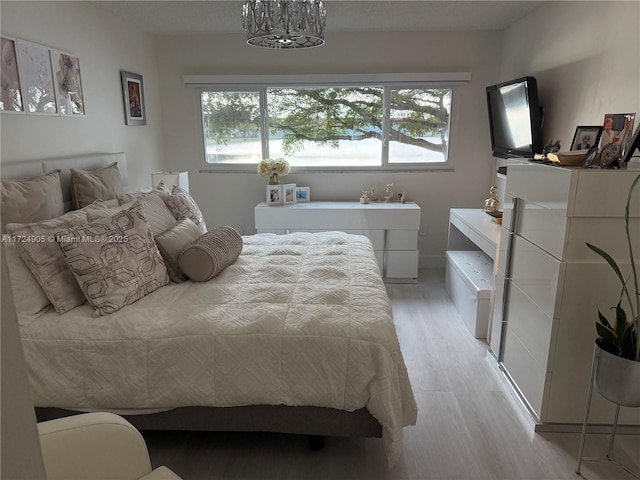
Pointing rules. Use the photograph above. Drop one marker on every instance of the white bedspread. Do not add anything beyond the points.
(300, 319)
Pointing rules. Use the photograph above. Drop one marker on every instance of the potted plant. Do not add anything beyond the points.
(618, 368)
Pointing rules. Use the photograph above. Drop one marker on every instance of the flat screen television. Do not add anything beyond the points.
(515, 118)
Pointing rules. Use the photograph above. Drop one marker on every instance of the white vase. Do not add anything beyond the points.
(618, 379)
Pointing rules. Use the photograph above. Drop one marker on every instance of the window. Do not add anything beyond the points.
(316, 126)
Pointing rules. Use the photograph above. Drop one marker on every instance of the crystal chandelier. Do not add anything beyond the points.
(284, 23)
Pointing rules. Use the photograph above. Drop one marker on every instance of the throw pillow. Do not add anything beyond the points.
(32, 200)
(172, 242)
(182, 205)
(38, 248)
(88, 186)
(210, 254)
(156, 212)
(28, 296)
(114, 260)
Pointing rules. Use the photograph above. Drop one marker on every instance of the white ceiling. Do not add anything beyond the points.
(216, 16)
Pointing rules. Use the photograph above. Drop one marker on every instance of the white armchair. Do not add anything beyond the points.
(96, 446)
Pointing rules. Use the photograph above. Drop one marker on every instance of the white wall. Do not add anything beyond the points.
(105, 45)
(586, 58)
(229, 198)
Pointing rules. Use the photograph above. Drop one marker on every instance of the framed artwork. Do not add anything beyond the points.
(36, 74)
(586, 137)
(133, 96)
(303, 194)
(274, 195)
(289, 193)
(67, 83)
(10, 92)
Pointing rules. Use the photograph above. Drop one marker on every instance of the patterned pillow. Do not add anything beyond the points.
(39, 250)
(210, 254)
(89, 186)
(172, 242)
(115, 260)
(33, 199)
(182, 205)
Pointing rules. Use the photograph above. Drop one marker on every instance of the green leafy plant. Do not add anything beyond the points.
(621, 337)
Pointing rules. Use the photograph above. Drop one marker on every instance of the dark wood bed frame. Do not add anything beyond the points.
(306, 420)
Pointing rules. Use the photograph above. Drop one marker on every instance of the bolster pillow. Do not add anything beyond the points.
(210, 254)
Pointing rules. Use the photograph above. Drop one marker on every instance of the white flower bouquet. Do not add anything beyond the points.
(273, 169)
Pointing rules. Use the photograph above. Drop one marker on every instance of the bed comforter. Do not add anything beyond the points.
(299, 319)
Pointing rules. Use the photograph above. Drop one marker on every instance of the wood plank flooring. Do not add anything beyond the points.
(469, 425)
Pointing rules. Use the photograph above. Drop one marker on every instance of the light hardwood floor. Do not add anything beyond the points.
(469, 424)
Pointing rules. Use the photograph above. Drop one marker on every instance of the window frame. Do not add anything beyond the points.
(261, 83)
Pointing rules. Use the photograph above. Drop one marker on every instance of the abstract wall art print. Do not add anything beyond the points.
(10, 93)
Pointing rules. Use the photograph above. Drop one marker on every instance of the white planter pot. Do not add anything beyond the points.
(618, 379)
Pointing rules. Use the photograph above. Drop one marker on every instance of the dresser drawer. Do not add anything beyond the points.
(530, 325)
(526, 373)
(402, 264)
(402, 239)
(536, 274)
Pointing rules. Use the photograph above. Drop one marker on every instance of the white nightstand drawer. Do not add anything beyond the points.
(402, 239)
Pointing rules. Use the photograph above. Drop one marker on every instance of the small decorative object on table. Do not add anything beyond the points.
(491, 204)
(273, 169)
(586, 137)
(289, 193)
(388, 193)
(274, 195)
(303, 194)
(364, 199)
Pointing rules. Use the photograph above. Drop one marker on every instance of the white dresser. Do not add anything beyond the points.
(391, 227)
(548, 284)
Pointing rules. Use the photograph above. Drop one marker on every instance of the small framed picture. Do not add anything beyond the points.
(586, 137)
(289, 193)
(274, 195)
(133, 96)
(635, 144)
(303, 194)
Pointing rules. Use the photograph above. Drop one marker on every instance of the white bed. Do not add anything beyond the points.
(300, 320)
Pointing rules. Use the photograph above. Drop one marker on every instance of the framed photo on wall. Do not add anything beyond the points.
(586, 137)
(68, 86)
(133, 96)
(37, 78)
(10, 93)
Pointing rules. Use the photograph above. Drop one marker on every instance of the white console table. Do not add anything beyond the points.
(473, 229)
(471, 250)
(391, 227)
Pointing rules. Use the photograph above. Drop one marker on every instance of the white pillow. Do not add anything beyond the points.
(28, 296)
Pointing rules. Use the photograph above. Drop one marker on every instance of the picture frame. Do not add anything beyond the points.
(634, 144)
(288, 193)
(274, 195)
(11, 100)
(133, 97)
(618, 129)
(67, 83)
(586, 136)
(36, 75)
(303, 194)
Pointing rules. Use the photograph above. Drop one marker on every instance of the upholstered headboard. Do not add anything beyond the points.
(92, 161)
